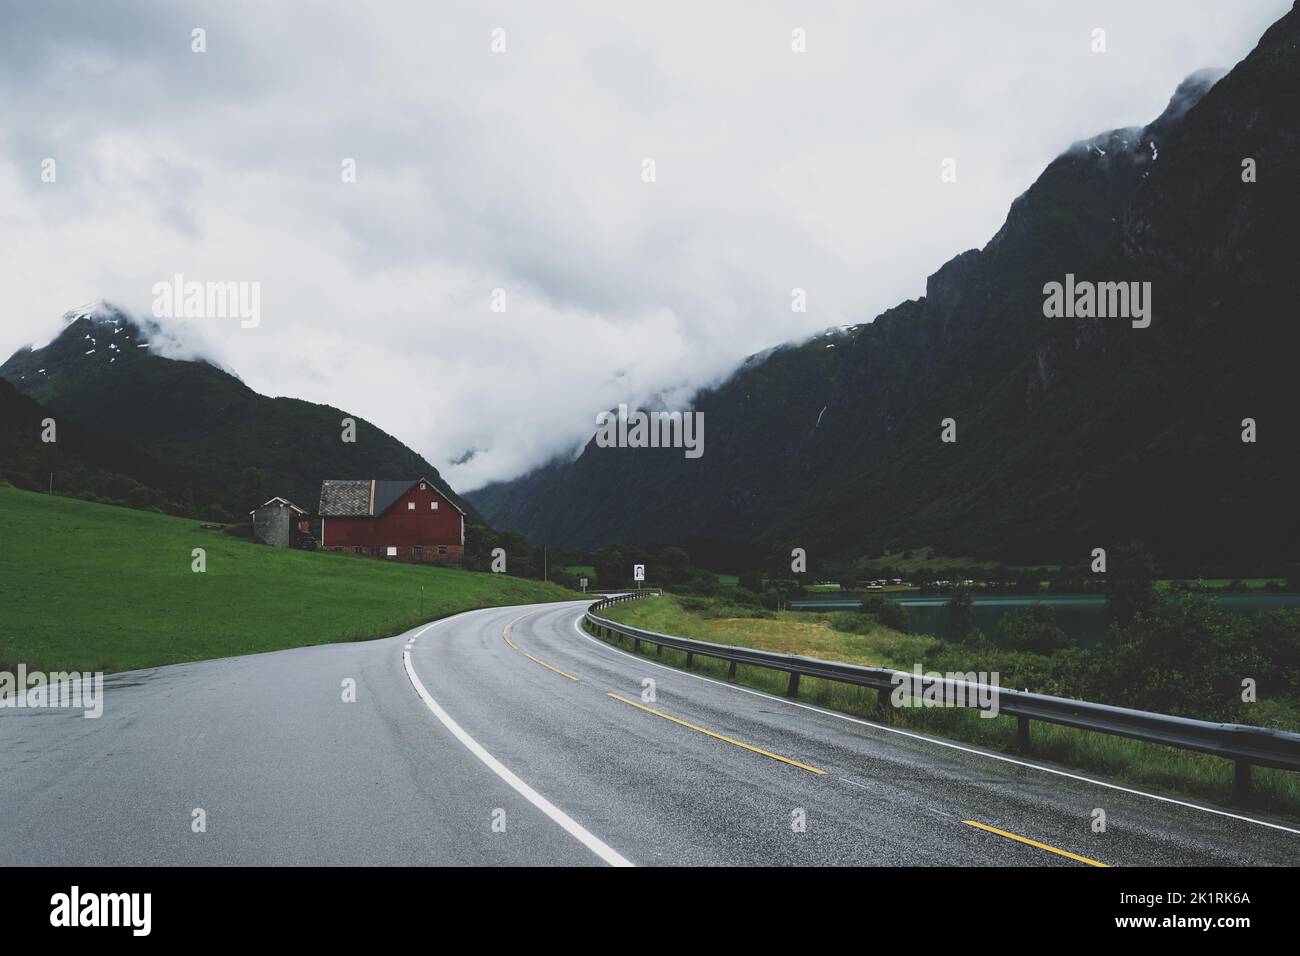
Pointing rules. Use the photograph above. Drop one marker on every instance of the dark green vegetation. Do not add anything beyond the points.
(91, 586)
(80, 460)
(1071, 433)
(1178, 656)
(182, 436)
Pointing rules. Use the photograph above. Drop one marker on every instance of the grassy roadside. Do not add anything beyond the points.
(86, 586)
(1128, 761)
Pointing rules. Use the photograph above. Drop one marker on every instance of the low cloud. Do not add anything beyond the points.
(521, 171)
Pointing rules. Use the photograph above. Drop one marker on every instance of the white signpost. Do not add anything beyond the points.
(583, 582)
(638, 574)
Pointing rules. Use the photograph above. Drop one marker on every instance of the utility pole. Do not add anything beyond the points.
(546, 575)
(51, 482)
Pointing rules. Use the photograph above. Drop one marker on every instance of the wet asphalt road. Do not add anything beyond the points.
(286, 772)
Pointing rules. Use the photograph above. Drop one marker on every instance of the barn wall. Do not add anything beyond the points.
(429, 554)
(400, 526)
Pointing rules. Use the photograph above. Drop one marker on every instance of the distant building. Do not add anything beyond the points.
(397, 520)
(281, 523)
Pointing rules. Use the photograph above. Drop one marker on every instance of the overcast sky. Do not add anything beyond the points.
(522, 171)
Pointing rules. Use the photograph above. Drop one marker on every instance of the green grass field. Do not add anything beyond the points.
(795, 632)
(90, 586)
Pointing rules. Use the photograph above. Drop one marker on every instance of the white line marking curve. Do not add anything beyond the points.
(566, 822)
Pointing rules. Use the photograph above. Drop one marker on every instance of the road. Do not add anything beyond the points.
(507, 736)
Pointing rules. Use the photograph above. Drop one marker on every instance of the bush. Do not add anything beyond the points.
(715, 608)
(1176, 658)
(564, 579)
(891, 614)
(742, 596)
(699, 582)
(1034, 629)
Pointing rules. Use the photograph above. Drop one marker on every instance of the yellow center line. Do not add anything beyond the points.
(757, 750)
(535, 660)
(548, 666)
(1041, 846)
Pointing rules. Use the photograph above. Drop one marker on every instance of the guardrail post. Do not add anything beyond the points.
(1022, 734)
(659, 650)
(690, 656)
(1241, 782)
(792, 689)
(731, 671)
(636, 645)
(882, 699)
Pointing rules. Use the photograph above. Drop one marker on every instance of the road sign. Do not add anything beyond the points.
(638, 572)
(583, 582)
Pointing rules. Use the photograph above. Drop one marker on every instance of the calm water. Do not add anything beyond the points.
(1082, 616)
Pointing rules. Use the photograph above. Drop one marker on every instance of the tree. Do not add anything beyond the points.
(1292, 575)
(673, 566)
(252, 489)
(479, 542)
(519, 556)
(961, 611)
(612, 568)
(1130, 583)
(751, 581)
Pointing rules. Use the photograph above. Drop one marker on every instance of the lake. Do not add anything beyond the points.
(1082, 616)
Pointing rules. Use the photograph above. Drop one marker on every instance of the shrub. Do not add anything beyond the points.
(889, 613)
(1034, 629)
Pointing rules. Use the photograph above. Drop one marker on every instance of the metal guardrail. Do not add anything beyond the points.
(1245, 745)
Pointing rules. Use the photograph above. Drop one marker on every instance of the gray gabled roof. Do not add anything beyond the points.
(386, 492)
(345, 498)
(365, 498)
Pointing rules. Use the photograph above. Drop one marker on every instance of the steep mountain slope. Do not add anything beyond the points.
(77, 460)
(202, 424)
(1071, 433)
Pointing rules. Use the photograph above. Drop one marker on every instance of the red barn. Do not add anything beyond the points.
(398, 520)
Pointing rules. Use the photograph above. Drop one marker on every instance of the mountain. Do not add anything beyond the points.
(78, 460)
(193, 428)
(1072, 433)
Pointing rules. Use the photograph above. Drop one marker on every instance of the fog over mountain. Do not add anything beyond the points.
(985, 418)
(522, 171)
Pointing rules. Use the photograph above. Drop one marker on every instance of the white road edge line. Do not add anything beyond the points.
(577, 626)
(571, 826)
